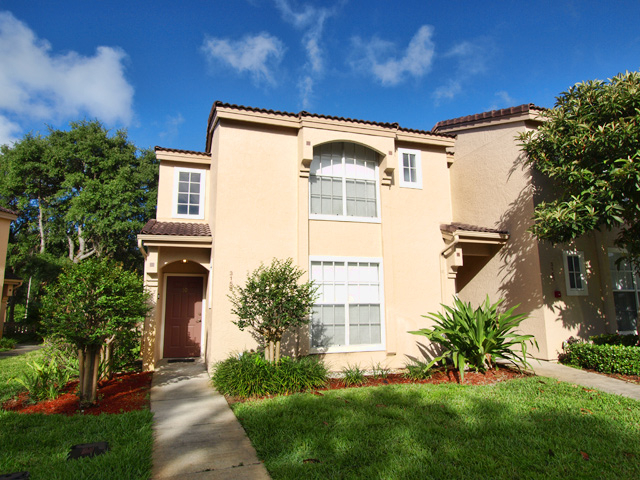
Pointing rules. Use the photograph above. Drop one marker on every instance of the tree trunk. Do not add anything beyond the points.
(41, 225)
(89, 359)
(106, 358)
(26, 308)
(276, 358)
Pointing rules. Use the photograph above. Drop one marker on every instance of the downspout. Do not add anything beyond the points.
(443, 266)
(142, 250)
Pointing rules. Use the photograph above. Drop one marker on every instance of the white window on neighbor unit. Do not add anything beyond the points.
(343, 183)
(188, 193)
(575, 273)
(625, 284)
(410, 168)
(348, 316)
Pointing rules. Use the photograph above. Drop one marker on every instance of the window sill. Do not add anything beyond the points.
(342, 218)
(410, 185)
(347, 349)
(188, 217)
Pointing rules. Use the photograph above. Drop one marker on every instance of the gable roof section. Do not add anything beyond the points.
(297, 118)
(527, 111)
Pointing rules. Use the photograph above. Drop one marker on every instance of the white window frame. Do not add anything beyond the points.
(635, 290)
(575, 292)
(409, 184)
(344, 217)
(360, 347)
(176, 179)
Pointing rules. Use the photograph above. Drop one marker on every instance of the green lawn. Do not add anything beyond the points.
(529, 428)
(40, 443)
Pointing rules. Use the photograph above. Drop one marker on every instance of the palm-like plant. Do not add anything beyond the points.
(478, 337)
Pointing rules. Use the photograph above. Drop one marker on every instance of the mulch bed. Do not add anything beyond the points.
(438, 377)
(125, 392)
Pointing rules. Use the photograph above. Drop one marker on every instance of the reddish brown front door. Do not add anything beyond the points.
(183, 317)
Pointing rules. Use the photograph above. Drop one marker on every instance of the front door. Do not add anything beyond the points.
(183, 317)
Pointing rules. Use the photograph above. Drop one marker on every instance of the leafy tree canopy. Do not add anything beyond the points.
(589, 146)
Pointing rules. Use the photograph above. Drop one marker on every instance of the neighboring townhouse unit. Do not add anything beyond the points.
(567, 290)
(382, 218)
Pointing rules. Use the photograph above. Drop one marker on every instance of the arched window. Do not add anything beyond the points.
(343, 182)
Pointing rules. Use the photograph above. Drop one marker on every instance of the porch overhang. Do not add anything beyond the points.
(467, 240)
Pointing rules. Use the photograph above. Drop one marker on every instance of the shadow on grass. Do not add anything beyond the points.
(531, 428)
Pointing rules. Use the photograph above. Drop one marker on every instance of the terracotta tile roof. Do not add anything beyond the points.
(505, 112)
(176, 150)
(182, 229)
(304, 113)
(454, 226)
(6, 210)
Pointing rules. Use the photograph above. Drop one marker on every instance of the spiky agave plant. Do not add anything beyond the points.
(478, 337)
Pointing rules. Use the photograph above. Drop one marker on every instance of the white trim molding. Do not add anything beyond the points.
(575, 273)
(412, 168)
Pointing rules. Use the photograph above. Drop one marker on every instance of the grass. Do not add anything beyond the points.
(40, 443)
(523, 429)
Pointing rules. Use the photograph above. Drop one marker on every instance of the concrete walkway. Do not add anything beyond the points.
(19, 350)
(196, 435)
(586, 379)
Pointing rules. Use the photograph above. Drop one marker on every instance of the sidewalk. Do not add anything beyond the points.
(586, 379)
(19, 350)
(196, 435)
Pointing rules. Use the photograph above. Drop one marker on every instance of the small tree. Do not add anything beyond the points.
(272, 301)
(91, 304)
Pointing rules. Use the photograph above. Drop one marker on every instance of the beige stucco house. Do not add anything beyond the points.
(8, 284)
(388, 221)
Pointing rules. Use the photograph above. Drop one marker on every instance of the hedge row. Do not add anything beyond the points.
(615, 339)
(603, 358)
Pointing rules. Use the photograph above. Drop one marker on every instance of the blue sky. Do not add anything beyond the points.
(156, 66)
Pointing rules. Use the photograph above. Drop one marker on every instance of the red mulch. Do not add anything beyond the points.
(438, 377)
(125, 392)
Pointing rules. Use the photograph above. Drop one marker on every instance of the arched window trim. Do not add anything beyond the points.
(344, 177)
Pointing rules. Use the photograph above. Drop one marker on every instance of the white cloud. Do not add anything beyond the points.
(256, 54)
(37, 84)
(448, 91)
(504, 100)
(171, 125)
(311, 20)
(415, 62)
(9, 131)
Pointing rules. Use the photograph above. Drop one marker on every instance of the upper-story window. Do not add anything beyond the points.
(188, 193)
(410, 168)
(575, 273)
(343, 183)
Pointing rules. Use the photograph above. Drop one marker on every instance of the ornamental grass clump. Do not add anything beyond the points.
(478, 337)
(250, 375)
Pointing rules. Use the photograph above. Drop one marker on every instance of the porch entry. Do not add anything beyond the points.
(183, 317)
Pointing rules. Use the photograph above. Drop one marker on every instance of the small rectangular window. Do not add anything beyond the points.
(575, 273)
(188, 198)
(410, 168)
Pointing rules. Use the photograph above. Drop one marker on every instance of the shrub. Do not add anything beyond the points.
(7, 343)
(352, 375)
(378, 371)
(418, 370)
(477, 337)
(44, 381)
(250, 375)
(603, 358)
(615, 339)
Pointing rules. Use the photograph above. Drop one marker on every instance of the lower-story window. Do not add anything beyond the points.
(348, 315)
(626, 291)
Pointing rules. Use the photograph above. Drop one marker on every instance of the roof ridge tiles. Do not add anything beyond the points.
(526, 107)
(178, 150)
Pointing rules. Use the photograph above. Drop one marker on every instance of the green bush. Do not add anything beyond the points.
(44, 381)
(615, 339)
(477, 337)
(7, 343)
(250, 375)
(352, 375)
(418, 370)
(603, 358)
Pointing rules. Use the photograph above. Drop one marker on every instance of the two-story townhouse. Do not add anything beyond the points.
(387, 221)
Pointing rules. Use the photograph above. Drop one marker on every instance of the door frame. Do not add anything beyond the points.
(164, 307)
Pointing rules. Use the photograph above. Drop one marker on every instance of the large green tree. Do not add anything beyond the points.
(589, 146)
(80, 193)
